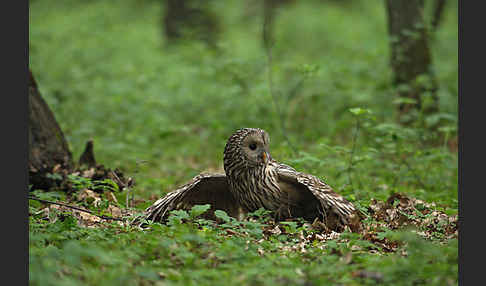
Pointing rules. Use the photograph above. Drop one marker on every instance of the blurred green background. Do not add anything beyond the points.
(162, 111)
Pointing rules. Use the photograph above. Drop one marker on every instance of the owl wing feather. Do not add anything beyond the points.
(331, 202)
(210, 189)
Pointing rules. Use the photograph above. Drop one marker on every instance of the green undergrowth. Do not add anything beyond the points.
(193, 251)
(162, 114)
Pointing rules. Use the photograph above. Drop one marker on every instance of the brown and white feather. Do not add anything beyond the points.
(202, 189)
(251, 182)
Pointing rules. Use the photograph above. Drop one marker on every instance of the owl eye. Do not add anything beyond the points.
(253, 146)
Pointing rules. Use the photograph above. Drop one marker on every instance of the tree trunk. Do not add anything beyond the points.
(187, 19)
(410, 57)
(175, 12)
(48, 149)
(438, 11)
(269, 11)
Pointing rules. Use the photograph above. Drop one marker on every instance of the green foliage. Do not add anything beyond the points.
(186, 253)
(198, 210)
(358, 111)
(222, 215)
(425, 263)
(177, 217)
(50, 196)
(163, 113)
(81, 183)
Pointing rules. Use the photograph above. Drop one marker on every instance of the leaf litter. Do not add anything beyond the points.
(397, 212)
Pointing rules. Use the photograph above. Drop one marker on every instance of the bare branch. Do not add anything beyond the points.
(75, 208)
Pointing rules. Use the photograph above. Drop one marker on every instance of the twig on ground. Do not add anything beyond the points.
(75, 208)
(125, 187)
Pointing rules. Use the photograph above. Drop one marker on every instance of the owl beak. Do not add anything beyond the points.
(265, 157)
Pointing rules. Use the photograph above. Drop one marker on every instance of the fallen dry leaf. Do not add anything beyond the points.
(347, 258)
(111, 197)
(89, 173)
(86, 219)
(261, 251)
(56, 168)
(115, 211)
(89, 197)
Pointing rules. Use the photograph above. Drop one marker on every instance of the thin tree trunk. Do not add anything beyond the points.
(268, 18)
(175, 13)
(269, 12)
(438, 12)
(185, 19)
(410, 56)
(48, 148)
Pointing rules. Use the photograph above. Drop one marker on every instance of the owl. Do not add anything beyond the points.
(254, 180)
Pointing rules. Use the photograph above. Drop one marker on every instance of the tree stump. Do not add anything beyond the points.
(48, 149)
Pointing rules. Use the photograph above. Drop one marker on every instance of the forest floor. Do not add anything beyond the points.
(161, 113)
(89, 237)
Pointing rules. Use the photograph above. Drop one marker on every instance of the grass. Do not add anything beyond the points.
(184, 254)
(162, 113)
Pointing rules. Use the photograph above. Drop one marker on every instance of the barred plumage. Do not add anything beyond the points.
(254, 180)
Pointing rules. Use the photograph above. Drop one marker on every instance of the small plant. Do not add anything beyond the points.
(198, 210)
(81, 183)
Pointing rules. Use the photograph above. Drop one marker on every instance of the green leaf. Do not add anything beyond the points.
(404, 100)
(359, 111)
(222, 215)
(177, 216)
(54, 176)
(309, 69)
(290, 226)
(107, 184)
(180, 213)
(447, 129)
(50, 196)
(199, 210)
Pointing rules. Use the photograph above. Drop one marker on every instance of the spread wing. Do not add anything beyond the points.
(333, 208)
(203, 189)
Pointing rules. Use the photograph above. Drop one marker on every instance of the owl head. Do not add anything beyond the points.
(247, 148)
